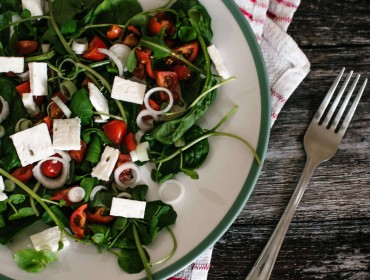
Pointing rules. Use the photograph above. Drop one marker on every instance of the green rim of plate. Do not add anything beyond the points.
(253, 175)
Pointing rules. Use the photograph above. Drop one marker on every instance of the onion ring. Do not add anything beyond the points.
(135, 173)
(51, 183)
(153, 90)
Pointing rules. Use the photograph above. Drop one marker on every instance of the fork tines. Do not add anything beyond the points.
(324, 115)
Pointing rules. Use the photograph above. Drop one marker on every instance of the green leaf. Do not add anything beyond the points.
(116, 11)
(102, 198)
(98, 229)
(156, 44)
(22, 213)
(186, 34)
(131, 61)
(58, 213)
(16, 198)
(88, 183)
(94, 150)
(87, 133)
(3, 205)
(129, 260)
(191, 173)
(68, 26)
(82, 107)
(98, 238)
(2, 221)
(31, 260)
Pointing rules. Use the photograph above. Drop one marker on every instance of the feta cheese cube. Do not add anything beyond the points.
(3, 196)
(98, 100)
(34, 6)
(67, 134)
(128, 91)
(11, 64)
(48, 239)
(105, 166)
(30, 105)
(33, 144)
(218, 62)
(38, 78)
(127, 208)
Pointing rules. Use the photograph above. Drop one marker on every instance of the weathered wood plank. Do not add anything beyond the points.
(329, 236)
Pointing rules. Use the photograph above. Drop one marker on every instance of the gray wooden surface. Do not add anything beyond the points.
(329, 237)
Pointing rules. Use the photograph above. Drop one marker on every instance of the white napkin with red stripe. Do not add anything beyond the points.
(286, 66)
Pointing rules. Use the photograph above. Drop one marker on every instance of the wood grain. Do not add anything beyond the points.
(329, 237)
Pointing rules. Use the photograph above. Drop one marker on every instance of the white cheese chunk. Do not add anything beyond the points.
(67, 134)
(105, 166)
(38, 78)
(48, 239)
(3, 196)
(98, 100)
(33, 144)
(128, 91)
(34, 6)
(127, 208)
(218, 62)
(30, 105)
(11, 64)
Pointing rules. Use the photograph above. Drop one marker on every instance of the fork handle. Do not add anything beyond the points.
(263, 267)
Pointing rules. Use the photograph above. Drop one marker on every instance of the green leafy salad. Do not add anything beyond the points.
(90, 93)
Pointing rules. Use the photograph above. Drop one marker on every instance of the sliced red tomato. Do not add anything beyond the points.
(115, 131)
(100, 216)
(79, 155)
(92, 52)
(23, 174)
(130, 142)
(188, 50)
(24, 87)
(183, 72)
(114, 32)
(139, 71)
(39, 100)
(122, 158)
(52, 168)
(131, 37)
(77, 221)
(25, 47)
(60, 195)
(167, 79)
(162, 20)
(144, 56)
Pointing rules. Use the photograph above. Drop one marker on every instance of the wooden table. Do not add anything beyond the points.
(329, 237)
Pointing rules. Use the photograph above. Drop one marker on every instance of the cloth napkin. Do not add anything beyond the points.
(286, 66)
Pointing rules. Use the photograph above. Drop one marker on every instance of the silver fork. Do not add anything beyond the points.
(321, 142)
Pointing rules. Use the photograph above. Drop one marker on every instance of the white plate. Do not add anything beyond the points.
(227, 178)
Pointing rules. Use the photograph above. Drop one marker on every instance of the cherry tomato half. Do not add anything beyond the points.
(130, 142)
(144, 56)
(99, 216)
(52, 168)
(167, 79)
(183, 72)
(25, 47)
(92, 52)
(188, 50)
(115, 131)
(79, 155)
(162, 20)
(77, 221)
(23, 174)
(114, 32)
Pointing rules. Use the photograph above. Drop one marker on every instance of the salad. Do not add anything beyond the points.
(90, 92)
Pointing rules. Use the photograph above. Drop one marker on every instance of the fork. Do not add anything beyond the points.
(321, 142)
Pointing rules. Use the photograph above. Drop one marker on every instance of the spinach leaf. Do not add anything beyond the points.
(58, 213)
(87, 133)
(118, 11)
(94, 149)
(82, 107)
(139, 192)
(88, 183)
(204, 22)
(157, 45)
(195, 156)
(171, 131)
(129, 260)
(101, 199)
(32, 260)
(2, 221)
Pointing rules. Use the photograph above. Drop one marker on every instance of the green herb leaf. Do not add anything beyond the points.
(129, 260)
(82, 107)
(31, 260)
(22, 213)
(117, 11)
